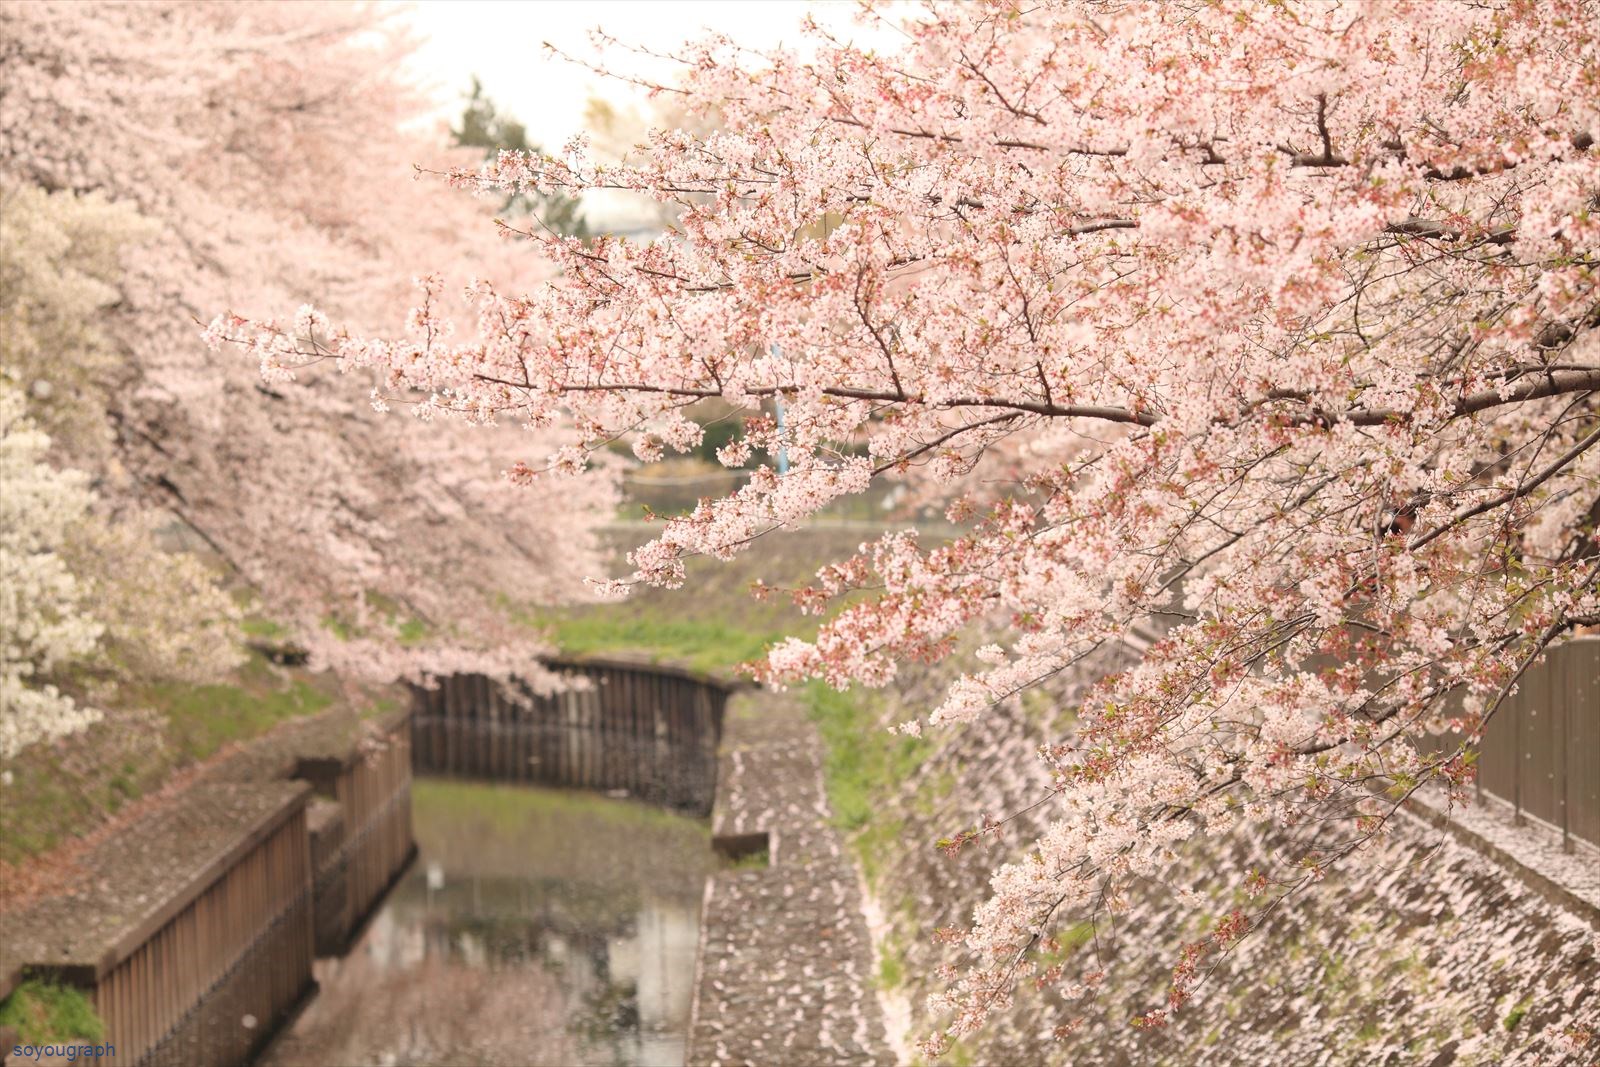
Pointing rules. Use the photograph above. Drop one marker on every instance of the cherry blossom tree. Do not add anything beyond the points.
(87, 601)
(1270, 329)
(483, 126)
(40, 596)
(266, 146)
(58, 277)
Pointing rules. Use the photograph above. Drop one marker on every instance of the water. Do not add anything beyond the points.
(537, 927)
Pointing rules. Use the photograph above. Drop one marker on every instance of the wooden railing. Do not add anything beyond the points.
(238, 959)
(359, 855)
(194, 940)
(649, 731)
(195, 932)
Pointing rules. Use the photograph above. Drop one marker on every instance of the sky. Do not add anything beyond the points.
(501, 41)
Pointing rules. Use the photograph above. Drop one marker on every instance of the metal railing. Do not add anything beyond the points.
(1541, 751)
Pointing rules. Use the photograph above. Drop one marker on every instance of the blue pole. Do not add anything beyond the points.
(783, 449)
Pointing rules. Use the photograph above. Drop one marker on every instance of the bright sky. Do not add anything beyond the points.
(502, 43)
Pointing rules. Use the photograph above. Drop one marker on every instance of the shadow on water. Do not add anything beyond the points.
(537, 926)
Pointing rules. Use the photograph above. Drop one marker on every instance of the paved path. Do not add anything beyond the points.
(785, 965)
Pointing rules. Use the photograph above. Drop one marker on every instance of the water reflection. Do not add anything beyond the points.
(537, 927)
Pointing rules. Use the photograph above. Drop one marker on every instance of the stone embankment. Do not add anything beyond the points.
(785, 962)
(1423, 951)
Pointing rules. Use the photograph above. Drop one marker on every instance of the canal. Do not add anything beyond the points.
(537, 926)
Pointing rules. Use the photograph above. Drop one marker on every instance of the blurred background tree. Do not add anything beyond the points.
(484, 126)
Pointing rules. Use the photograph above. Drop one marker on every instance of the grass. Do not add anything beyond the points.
(713, 624)
(758, 860)
(700, 644)
(262, 629)
(958, 1055)
(1075, 937)
(863, 767)
(412, 632)
(864, 759)
(388, 617)
(864, 763)
(203, 718)
(1516, 1015)
(891, 967)
(874, 841)
(65, 789)
(44, 1012)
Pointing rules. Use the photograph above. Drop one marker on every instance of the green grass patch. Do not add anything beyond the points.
(1517, 1014)
(53, 797)
(1071, 940)
(1077, 936)
(863, 767)
(63, 789)
(412, 632)
(203, 718)
(338, 627)
(959, 1055)
(865, 762)
(713, 623)
(891, 967)
(878, 838)
(385, 617)
(940, 788)
(758, 860)
(700, 644)
(43, 1013)
(262, 629)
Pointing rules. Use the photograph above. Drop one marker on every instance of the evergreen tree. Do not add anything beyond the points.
(484, 126)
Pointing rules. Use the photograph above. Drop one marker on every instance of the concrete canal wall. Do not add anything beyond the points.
(1424, 950)
(361, 828)
(195, 957)
(193, 933)
(784, 970)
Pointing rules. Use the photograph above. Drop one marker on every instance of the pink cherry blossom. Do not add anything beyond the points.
(1264, 333)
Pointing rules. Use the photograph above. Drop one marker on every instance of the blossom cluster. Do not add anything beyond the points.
(240, 142)
(1271, 328)
(44, 621)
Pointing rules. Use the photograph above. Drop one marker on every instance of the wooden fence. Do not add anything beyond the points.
(196, 964)
(650, 731)
(194, 938)
(360, 849)
(1541, 751)
(241, 954)
(329, 877)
